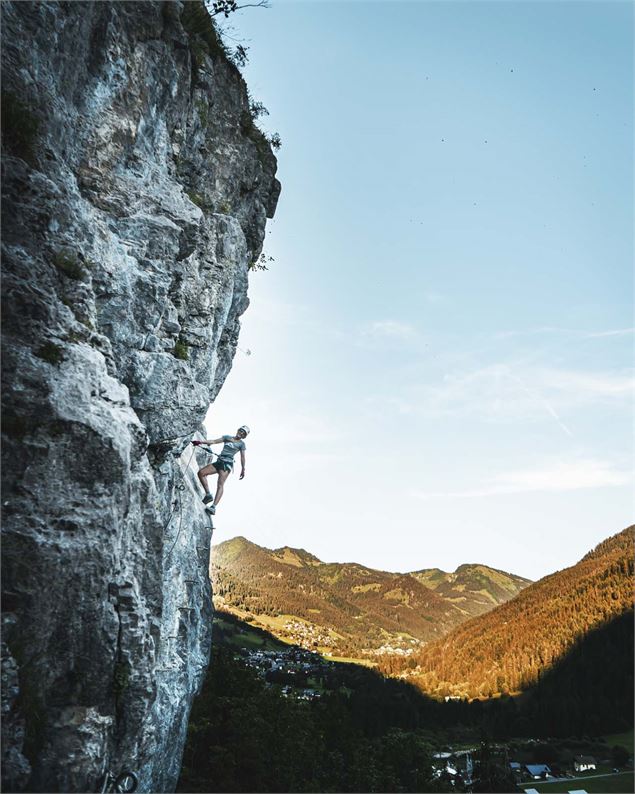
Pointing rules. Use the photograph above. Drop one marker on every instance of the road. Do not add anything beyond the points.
(575, 779)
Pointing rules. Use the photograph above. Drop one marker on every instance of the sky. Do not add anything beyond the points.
(437, 368)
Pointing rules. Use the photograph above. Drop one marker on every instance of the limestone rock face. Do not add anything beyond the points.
(136, 192)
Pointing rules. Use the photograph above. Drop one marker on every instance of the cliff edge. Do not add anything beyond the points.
(136, 190)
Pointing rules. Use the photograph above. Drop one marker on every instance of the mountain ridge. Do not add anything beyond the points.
(243, 541)
(349, 607)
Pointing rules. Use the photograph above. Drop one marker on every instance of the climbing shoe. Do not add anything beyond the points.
(211, 509)
(208, 498)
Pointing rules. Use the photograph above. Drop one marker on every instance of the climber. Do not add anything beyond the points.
(223, 466)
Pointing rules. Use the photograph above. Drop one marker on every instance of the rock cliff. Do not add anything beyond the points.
(136, 190)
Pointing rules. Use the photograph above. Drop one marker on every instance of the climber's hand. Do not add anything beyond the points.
(197, 443)
(242, 474)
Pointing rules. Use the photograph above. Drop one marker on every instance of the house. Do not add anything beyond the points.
(537, 771)
(457, 765)
(583, 762)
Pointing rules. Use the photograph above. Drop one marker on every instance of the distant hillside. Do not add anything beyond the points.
(347, 608)
(473, 589)
(510, 648)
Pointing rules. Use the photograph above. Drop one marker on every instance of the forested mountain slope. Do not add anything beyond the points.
(511, 647)
(348, 607)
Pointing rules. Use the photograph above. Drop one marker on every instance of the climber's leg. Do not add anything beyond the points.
(222, 476)
(203, 474)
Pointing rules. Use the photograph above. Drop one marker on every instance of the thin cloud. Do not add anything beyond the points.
(386, 335)
(434, 297)
(588, 385)
(553, 477)
(575, 332)
(617, 332)
(391, 329)
(499, 392)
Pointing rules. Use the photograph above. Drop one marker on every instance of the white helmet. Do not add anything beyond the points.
(245, 429)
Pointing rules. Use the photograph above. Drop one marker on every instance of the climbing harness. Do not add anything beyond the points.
(209, 450)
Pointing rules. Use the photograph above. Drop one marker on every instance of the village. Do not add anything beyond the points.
(311, 637)
(300, 673)
(456, 767)
(307, 635)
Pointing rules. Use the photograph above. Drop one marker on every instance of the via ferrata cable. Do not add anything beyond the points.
(178, 501)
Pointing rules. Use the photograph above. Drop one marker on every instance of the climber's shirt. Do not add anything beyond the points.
(230, 449)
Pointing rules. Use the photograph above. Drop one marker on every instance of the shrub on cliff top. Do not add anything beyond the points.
(226, 7)
(257, 109)
(262, 262)
(275, 141)
(197, 22)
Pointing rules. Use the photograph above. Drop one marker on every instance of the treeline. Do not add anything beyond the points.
(622, 543)
(507, 650)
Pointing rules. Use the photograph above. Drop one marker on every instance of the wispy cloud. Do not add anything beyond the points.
(588, 385)
(617, 332)
(434, 297)
(513, 391)
(578, 333)
(553, 476)
(391, 330)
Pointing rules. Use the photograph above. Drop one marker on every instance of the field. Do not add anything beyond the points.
(348, 660)
(267, 624)
(250, 638)
(624, 739)
(622, 783)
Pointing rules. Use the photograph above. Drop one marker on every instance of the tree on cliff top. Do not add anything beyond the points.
(226, 7)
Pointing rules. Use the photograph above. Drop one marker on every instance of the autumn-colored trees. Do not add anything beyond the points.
(510, 648)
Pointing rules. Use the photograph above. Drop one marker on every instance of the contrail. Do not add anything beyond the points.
(543, 400)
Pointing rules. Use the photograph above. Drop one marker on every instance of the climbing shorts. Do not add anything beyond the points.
(223, 465)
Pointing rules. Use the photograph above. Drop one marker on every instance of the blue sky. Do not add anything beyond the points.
(441, 364)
